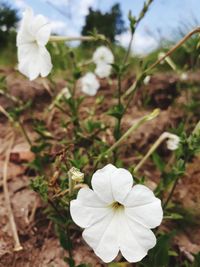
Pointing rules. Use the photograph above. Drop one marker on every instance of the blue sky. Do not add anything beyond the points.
(162, 21)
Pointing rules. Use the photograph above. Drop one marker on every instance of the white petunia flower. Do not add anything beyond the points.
(34, 59)
(103, 70)
(116, 215)
(173, 142)
(90, 84)
(103, 55)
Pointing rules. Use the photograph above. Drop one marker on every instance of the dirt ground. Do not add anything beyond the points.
(40, 246)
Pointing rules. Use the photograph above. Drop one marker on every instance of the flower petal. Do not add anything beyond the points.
(23, 35)
(45, 61)
(89, 84)
(122, 182)
(135, 240)
(143, 207)
(103, 55)
(101, 183)
(34, 60)
(41, 29)
(87, 209)
(112, 184)
(103, 237)
(103, 70)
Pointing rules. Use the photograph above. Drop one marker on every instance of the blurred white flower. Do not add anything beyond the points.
(183, 76)
(173, 141)
(147, 79)
(34, 59)
(103, 70)
(90, 84)
(103, 55)
(116, 215)
(103, 58)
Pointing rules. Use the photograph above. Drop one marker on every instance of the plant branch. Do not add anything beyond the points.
(17, 246)
(171, 193)
(133, 128)
(54, 38)
(133, 87)
(162, 137)
(141, 16)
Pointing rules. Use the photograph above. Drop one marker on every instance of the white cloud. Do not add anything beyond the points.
(20, 4)
(62, 28)
(142, 43)
(84, 6)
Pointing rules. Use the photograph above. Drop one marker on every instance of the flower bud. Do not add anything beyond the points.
(76, 175)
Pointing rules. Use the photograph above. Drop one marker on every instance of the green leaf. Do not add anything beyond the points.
(116, 111)
(40, 185)
(158, 161)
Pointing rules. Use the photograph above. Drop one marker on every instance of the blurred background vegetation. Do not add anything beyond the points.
(111, 24)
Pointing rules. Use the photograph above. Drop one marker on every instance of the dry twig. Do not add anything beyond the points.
(17, 246)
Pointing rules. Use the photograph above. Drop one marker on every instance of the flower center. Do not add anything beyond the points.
(116, 206)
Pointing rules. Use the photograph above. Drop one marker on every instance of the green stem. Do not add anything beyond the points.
(71, 184)
(119, 89)
(162, 137)
(60, 108)
(171, 193)
(141, 16)
(129, 48)
(24, 133)
(133, 128)
(75, 38)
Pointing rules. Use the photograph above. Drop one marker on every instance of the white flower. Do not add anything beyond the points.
(103, 70)
(147, 79)
(184, 76)
(173, 141)
(103, 55)
(116, 215)
(34, 59)
(90, 84)
(103, 58)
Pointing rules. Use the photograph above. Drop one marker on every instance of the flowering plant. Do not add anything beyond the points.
(84, 168)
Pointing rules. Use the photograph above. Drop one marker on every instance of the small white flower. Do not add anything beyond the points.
(173, 141)
(34, 59)
(103, 55)
(147, 79)
(103, 70)
(90, 84)
(184, 76)
(116, 215)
